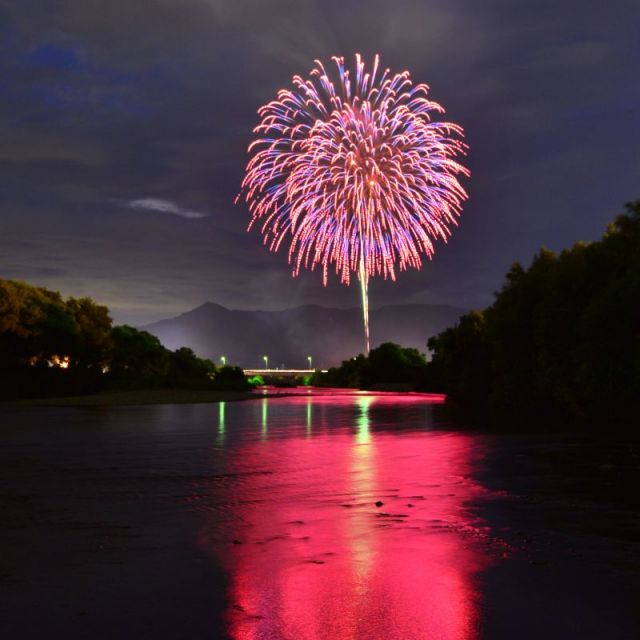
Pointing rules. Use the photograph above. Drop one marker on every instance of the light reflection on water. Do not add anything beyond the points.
(257, 521)
(309, 554)
(221, 410)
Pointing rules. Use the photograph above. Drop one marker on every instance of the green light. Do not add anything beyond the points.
(224, 360)
(220, 437)
(221, 409)
(264, 417)
(363, 436)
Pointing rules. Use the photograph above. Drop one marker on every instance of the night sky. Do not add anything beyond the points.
(124, 126)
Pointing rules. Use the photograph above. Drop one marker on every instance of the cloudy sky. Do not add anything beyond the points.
(124, 127)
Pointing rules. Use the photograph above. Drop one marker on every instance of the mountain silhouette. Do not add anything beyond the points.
(288, 336)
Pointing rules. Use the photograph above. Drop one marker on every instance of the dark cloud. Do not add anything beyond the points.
(153, 101)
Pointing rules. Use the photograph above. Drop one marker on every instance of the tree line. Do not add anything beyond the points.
(55, 346)
(561, 342)
(560, 345)
(387, 367)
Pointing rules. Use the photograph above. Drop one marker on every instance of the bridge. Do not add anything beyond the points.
(279, 373)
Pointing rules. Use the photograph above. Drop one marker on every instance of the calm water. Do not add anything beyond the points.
(318, 558)
(258, 521)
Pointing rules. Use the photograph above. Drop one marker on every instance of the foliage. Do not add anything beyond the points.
(47, 344)
(387, 364)
(37, 327)
(465, 369)
(561, 341)
(52, 346)
(92, 342)
(185, 368)
(231, 379)
(138, 356)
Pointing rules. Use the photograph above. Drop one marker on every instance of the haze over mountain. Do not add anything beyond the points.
(287, 337)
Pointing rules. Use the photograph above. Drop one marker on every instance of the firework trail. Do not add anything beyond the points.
(352, 170)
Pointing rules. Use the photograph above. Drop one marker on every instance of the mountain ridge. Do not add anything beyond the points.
(327, 334)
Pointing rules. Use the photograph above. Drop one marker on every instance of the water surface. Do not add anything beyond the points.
(314, 554)
(344, 516)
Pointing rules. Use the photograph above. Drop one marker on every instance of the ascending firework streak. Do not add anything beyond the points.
(355, 173)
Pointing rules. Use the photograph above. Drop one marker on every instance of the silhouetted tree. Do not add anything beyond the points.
(230, 378)
(561, 341)
(461, 360)
(49, 345)
(387, 364)
(138, 356)
(52, 346)
(92, 341)
(186, 369)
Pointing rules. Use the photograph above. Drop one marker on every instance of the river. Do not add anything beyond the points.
(338, 516)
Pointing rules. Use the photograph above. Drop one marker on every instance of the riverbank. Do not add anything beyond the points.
(138, 397)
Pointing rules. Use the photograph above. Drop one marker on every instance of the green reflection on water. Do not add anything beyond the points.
(362, 421)
(364, 488)
(221, 410)
(264, 418)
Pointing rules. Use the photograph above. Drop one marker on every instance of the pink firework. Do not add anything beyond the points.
(354, 172)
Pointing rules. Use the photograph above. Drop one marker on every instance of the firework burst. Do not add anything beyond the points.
(354, 173)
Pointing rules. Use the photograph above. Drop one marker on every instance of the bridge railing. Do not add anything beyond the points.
(278, 372)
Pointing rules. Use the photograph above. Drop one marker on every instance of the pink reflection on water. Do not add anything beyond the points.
(328, 392)
(315, 558)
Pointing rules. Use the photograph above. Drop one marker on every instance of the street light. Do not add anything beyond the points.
(224, 360)
(266, 361)
(310, 361)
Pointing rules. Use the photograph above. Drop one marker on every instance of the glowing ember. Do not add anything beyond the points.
(355, 172)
